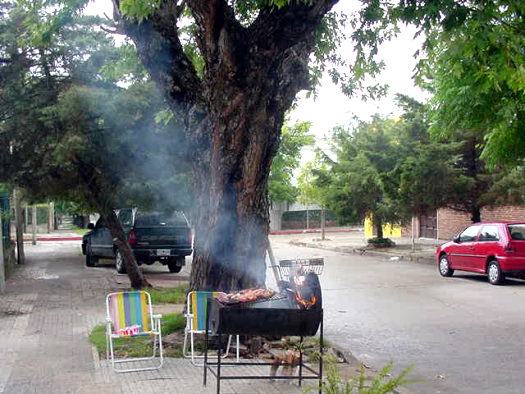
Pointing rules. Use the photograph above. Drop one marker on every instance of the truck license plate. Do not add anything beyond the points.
(163, 252)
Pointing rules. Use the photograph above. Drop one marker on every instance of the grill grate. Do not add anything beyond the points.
(289, 267)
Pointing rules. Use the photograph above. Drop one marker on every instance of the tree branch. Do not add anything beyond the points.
(221, 38)
(160, 50)
(287, 25)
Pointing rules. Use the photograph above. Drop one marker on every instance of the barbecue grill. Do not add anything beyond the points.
(281, 315)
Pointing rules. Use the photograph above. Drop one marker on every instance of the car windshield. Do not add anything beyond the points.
(517, 231)
(157, 219)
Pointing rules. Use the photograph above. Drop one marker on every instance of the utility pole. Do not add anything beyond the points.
(2, 262)
(33, 223)
(51, 221)
(322, 223)
(19, 224)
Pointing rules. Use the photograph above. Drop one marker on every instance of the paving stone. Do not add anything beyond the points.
(45, 317)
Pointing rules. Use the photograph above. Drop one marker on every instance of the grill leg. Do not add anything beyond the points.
(206, 346)
(219, 351)
(301, 362)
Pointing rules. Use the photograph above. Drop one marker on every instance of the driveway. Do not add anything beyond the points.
(461, 334)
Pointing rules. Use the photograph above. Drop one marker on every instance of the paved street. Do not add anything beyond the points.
(462, 334)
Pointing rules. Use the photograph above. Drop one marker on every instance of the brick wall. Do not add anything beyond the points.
(451, 222)
(503, 213)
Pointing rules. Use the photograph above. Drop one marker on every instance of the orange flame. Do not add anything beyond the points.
(307, 304)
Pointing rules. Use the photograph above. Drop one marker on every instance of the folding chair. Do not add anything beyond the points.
(196, 323)
(129, 314)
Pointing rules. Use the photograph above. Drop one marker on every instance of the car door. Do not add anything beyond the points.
(101, 240)
(462, 251)
(488, 239)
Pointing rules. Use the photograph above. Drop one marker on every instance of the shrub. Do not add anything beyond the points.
(381, 242)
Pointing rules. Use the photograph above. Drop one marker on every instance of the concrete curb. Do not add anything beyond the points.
(363, 251)
(314, 231)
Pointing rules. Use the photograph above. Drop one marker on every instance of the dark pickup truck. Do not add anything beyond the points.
(153, 236)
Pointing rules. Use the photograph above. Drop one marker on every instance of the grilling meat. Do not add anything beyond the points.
(247, 295)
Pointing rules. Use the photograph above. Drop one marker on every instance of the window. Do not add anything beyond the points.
(125, 216)
(156, 219)
(469, 234)
(100, 223)
(517, 231)
(489, 233)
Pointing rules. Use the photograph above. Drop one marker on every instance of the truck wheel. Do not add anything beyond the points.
(90, 259)
(175, 265)
(121, 267)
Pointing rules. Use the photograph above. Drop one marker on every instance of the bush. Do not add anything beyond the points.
(381, 242)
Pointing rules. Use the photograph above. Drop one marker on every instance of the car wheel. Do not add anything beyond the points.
(444, 268)
(175, 265)
(494, 273)
(90, 259)
(121, 267)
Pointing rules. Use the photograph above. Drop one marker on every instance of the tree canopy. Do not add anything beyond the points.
(229, 71)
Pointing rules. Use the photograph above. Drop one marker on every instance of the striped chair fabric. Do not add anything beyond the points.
(130, 313)
(198, 302)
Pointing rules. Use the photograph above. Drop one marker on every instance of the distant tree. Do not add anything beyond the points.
(293, 139)
(473, 64)
(68, 132)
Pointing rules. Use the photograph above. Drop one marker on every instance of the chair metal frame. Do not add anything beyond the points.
(155, 330)
(190, 329)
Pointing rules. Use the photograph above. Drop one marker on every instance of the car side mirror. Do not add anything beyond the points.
(456, 239)
(91, 226)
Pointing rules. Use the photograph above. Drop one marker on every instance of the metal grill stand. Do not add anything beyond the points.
(215, 367)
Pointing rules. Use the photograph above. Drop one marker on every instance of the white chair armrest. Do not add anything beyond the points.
(157, 316)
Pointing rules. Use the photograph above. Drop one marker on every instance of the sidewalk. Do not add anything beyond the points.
(45, 316)
(352, 241)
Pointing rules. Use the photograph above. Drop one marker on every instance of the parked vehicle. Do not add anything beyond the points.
(153, 236)
(496, 249)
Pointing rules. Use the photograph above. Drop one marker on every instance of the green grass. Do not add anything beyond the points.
(138, 346)
(168, 295)
(81, 231)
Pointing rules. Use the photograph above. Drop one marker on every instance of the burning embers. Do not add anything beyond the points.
(304, 288)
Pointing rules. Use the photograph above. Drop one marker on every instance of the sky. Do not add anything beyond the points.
(331, 107)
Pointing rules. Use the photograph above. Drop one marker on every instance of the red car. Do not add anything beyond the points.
(496, 249)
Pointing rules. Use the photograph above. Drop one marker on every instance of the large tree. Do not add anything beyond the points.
(232, 102)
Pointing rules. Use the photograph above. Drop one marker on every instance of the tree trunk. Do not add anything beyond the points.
(232, 220)
(137, 279)
(476, 214)
(33, 224)
(378, 223)
(19, 224)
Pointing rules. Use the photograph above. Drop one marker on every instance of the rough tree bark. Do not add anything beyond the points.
(100, 197)
(19, 225)
(135, 275)
(378, 223)
(233, 116)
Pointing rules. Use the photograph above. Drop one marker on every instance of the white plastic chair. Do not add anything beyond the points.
(196, 324)
(129, 314)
